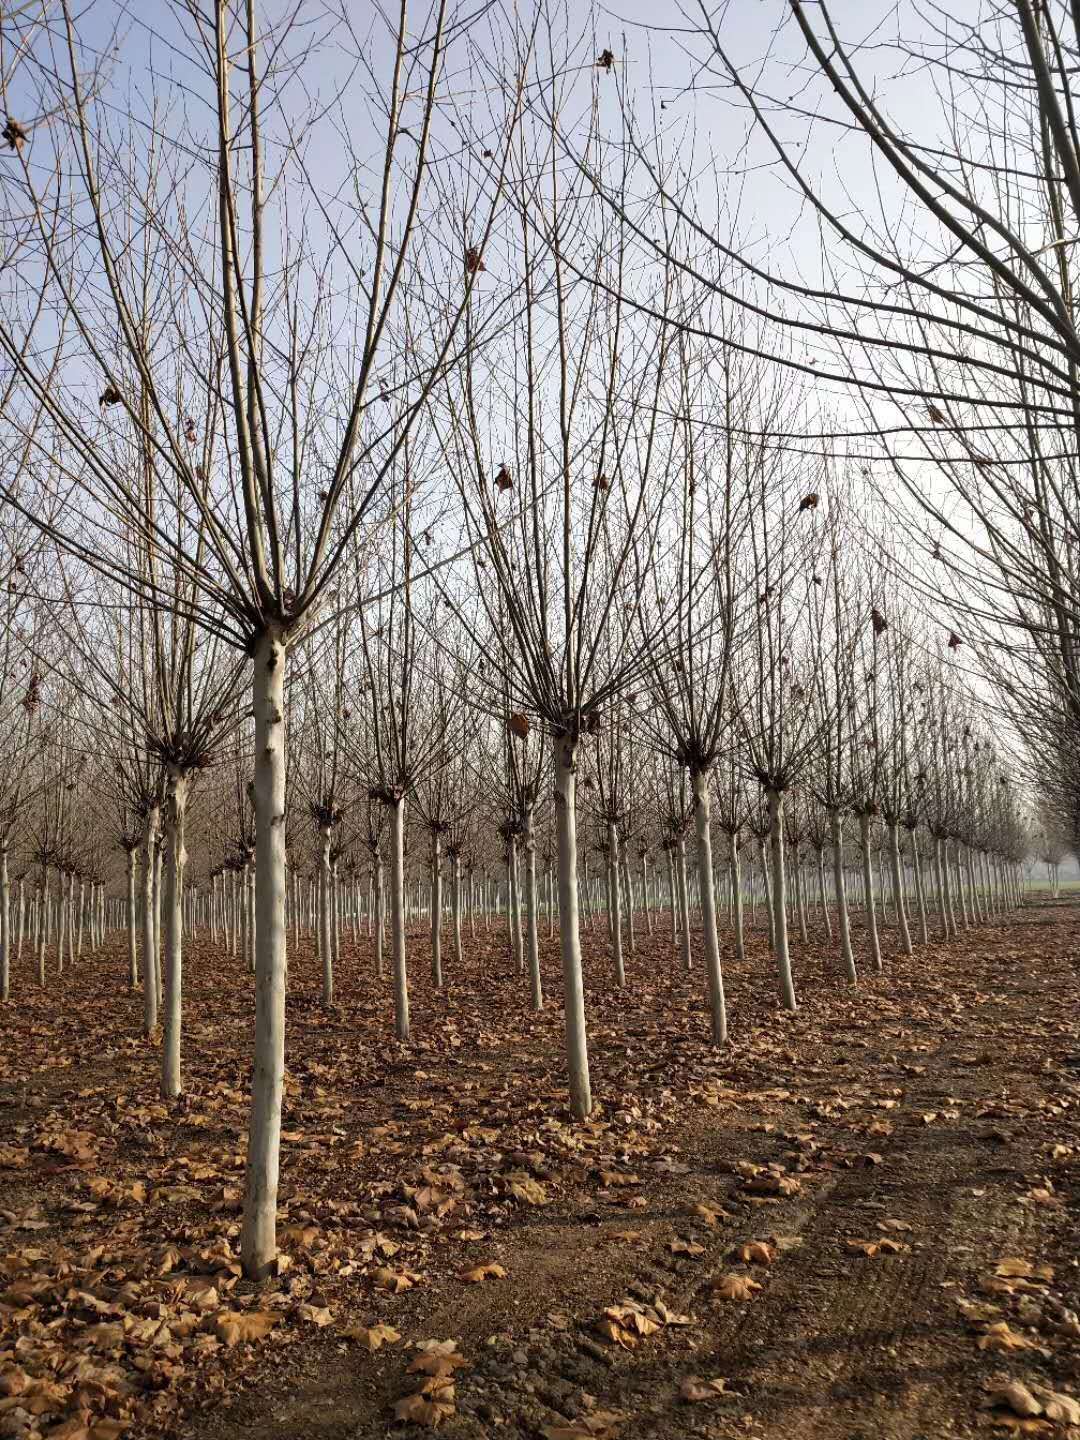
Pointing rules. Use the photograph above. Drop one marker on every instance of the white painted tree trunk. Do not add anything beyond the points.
(868, 892)
(735, 853)
(823, 892)
(326, 923)
(81, 913)
(898, 887)
(843, 921)
(455, 901)
(159, 856)
(973, 887)
(5, 925)
(133, 949)
(176, 857)
(939, 880)
(672, 903)
(961, 889)
(577, 1055)
(380, 916)
(397, 918)
(713, 972)
(514, 904)
(615, 905)
(779, 898)
(920, 890)
(950, 909)
(684, 902)
(61, 921)
(767, 893)
(628, 901)
(532, 936)
(258, 1241)
(436, 909)
(800, 891)
(150, 983)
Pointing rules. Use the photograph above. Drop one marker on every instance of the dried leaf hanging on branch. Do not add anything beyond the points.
(110, 396)
(605, 60)
(14, 134)
(504, 480)
(877, 619)
(518, 725)
(809, 502)
(954, 640)
(474, 261)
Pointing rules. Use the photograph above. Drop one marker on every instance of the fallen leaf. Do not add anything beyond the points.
(372, 1336)
(735, 1287)
(235, 1327)
(693, 1390)
(482, 1272)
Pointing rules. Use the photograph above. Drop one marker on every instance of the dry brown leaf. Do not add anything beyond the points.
(599, 1425)
(1058, 1407)
(522, 1187)
(478, 1273)
(437, 1357)
(430, 1405)
(394, 1280)
(234, 1327)
(1017, 1397)
(735, 1287)
(1001, 1337)
(1012, 1266)
(372, 1337)
(679, 1246)
(710, 1214)
(756, 1252)
(694, 1389)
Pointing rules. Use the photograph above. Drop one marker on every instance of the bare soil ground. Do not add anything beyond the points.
(857, 1221)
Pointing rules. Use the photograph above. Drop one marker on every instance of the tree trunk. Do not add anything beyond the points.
(714, 974)
(436, 909)
(159, 860)
(175, 807)
(61, 921)
(455, 901)
(628, 900)
(767, 893)
(397, 918)
(898, 887)
(843, 921)
(823, 893)
(779, 898)
(800, 892)
(380, 915)
(5, 925)
(671, 896)
(736, 892)
(514, 904)
(326, 923)
(577, 1056)
(615, 904)
(868, 891)
(684, 901)
(258, 1243)
(920, 888)
(950, 910)
(150, 984)
(532, 937)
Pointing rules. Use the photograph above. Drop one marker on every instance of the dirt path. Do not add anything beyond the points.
(937, 1112)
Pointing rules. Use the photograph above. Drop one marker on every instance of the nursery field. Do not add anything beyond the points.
(858, 1220)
